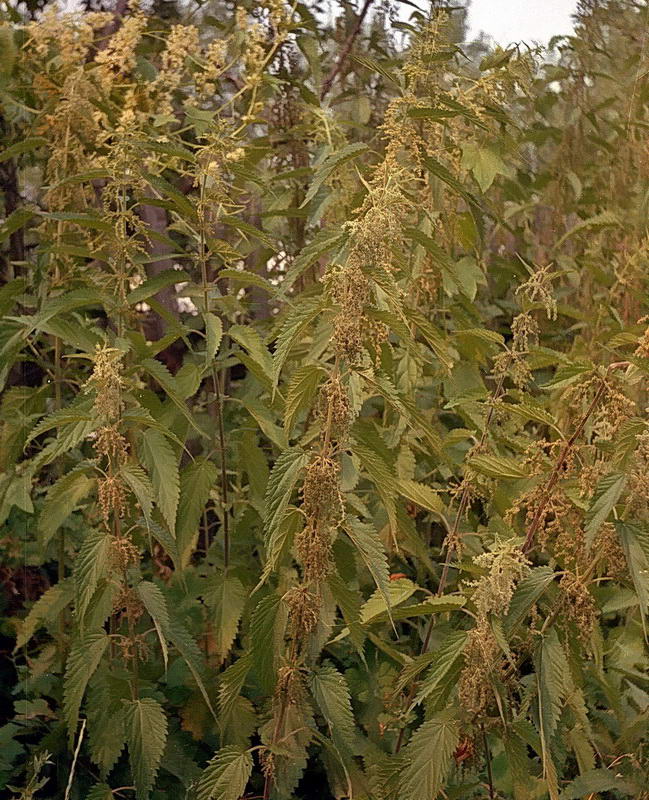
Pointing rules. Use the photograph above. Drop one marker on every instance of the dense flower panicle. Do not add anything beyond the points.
(482, 657)
(638, 488)
(304, 610)
(111, 444)
(580, 605)
(334, 408)
(538, 288)
(505, 566)
(181, 40)
(111, 496)
(107, 383)
(322, 501)
(123, 553)
(118, 56)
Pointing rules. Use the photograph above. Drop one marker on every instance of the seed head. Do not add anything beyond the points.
(112, 496)
(334, 408)
(304, 610)
(107, 382)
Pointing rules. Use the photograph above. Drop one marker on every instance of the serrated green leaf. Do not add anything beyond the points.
(24, 146)
(196, 481)
(526, 594)
(607, 493)
(156, 606)
(184, 643)
(90, 566)
(267, 627)
(281, 484)
(331, 693)
(61, 500)
(168, 277)
(421, 495)
(378, 604)
(100, 791)
(226, 776)
(213, 336)
(138, 482)
(551, 667)
(594, 781)
(146, 735)
(370, 548)
(300, 393)
(497, 467)
(86, 653)
(292, 329)
(447, 656)
(429, 755)
(326, 169)
(45, 610)
(162, 464)
(324, 241)
(226, 597)
(634, 539)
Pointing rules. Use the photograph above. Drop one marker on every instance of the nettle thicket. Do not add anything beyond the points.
(324, 461)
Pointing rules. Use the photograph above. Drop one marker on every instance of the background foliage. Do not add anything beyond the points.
(324, 462)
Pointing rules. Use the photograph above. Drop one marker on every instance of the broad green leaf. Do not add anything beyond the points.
(594, 781)
(606, 219)
(138, 482)
(300, 393)
(331, 693)
(292, 330)
(247, 278)
(324, 241)
(165, 379)
(429, 755)
(24, 146)
(184, 643)
(370, 548)
(497, 467)
(226, 775)
(370, 451)
(45, 610)
(484, 163)
(266, 639)
(91, 564)
(259, 361)
(100, 791)
(329, 165)
(607, 493)
(162, 464)
(146, 735)
(634, 539)
(281, 485)
(213, 335)
(15, 221)
(86, 653)
(150, 287)
(226, 597)
(196, 481)
(156, 606)
(551, 669)
(446, 656)
(526, 594)
(279, 540)
(398, 591)
(421, 495)
(61, 501)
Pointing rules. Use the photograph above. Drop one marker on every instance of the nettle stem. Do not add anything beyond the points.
(561, 460)
(219, 436)
(451, 541)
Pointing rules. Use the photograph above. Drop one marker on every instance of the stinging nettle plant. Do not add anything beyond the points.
(324, 462)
